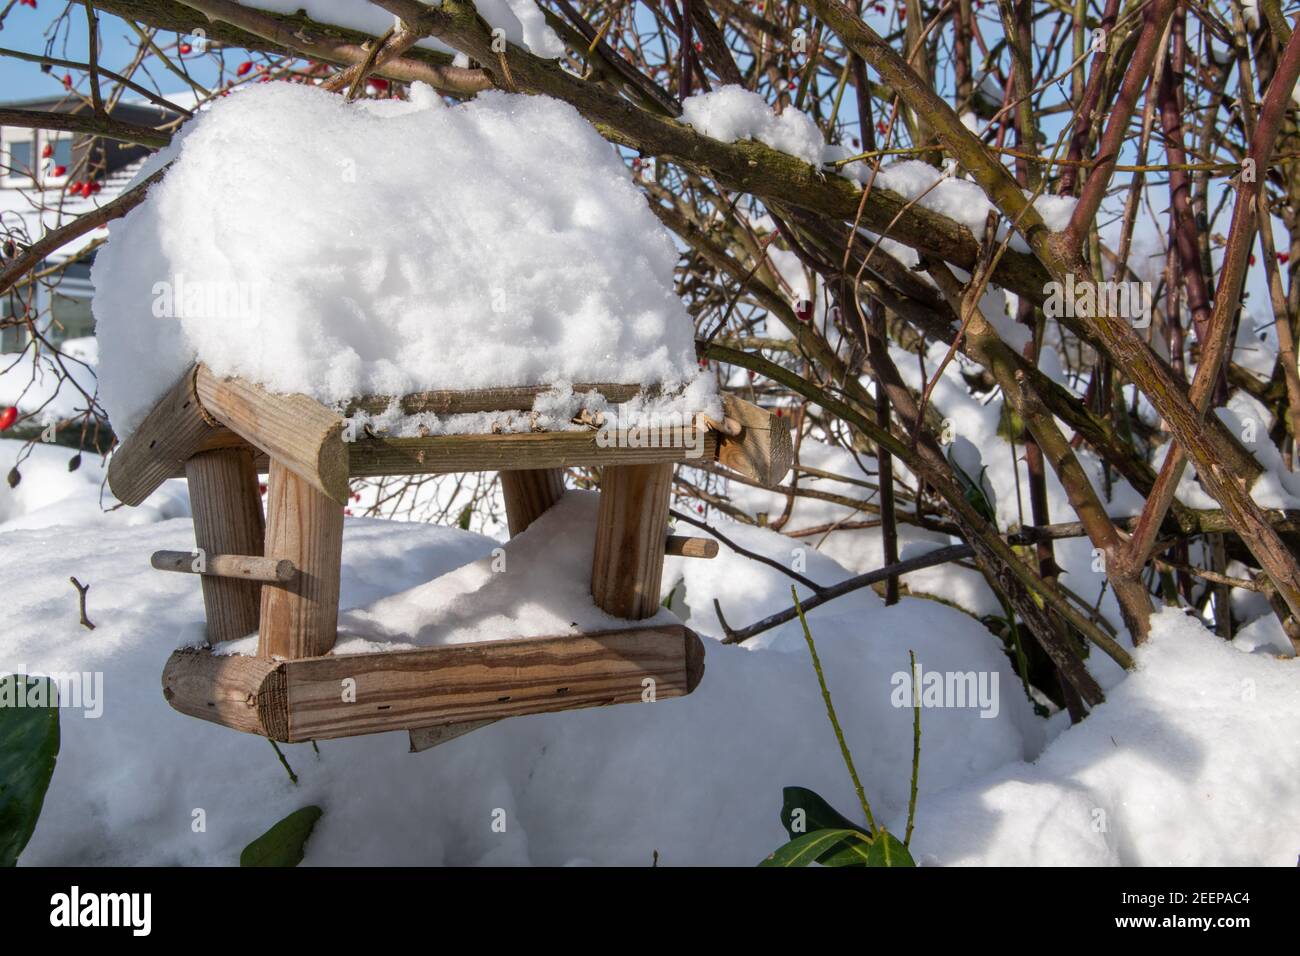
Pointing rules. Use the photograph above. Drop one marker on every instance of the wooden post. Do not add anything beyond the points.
(529, 493)
(303, 525)
(631, 533)
(227, 513)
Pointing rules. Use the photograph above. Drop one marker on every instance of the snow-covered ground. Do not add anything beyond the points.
(1193, 759)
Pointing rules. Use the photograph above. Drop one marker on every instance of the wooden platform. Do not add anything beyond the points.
(318, 698)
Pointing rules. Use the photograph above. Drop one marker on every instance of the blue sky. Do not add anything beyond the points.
(30, 30)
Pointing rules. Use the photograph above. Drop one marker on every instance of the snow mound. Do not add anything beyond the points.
(385, 247)
(537, 585)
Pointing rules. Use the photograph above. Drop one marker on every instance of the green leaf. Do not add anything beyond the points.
(283, 844)
(818, 815)
(887, 850)
(465, 514)
(812, 846)
(29, 747)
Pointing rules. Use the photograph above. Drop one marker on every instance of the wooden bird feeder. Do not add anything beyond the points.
(278, 573)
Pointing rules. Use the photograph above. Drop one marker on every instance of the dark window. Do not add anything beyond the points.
(72, 318)
(20, 156)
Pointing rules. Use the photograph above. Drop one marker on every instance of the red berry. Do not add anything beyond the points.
(93, 187)
(378, 83)
(803, 310)
(347, 512)
(74, 188)
(8, 417)
(881, 128)
(47, 152)
(185, 49)
(778, 413)
(58, 170)
(67, 81)
(261, 487)
(1284, 257)
(244, 68)
(1252, 258)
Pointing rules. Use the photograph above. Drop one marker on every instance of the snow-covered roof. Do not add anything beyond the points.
(384, 247)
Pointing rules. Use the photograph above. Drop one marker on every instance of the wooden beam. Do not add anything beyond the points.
(518, 398)
(242, 567)
(631, 535)
(297, 431)
(299, 618)
(175, 428)
(763, 451)
(227, 509)
(683, 546)
(529, 493)
(451, 453)
(242, 693)
(303, 700)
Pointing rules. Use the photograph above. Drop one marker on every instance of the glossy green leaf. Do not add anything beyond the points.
(29, 747)
(818, 815)
(811, 846)
(887, 850)
(283, 844)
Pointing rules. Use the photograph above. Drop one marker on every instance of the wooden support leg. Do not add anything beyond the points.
(631, 532)
(300, 619)
(227, 520)
(528, 493)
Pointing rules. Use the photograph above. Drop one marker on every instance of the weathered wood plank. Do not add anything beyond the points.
(451, 453)
(631, 535)
(299, 618)
(240, 566)
(297, 431)
(306, 700)
(174, 430)
(528, 494)
(763, 451)
(517, 398)
(227, 511)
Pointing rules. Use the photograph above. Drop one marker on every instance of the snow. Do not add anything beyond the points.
(1186, 764)
(385, 247)
(732, 113)
(1200, 770)
(538, 585)
(521, 20)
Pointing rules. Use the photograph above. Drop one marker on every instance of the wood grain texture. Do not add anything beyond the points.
(297, 431)
(172, 432)
(517, 398)
(683, 546)
(242, 567)
(227, 509)
(631, 535)
(242, 693)
(451, 453)
(763, 451)
(528, 493)
(301, 700)
(304, 526)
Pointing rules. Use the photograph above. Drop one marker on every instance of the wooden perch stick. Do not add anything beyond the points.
(242, 566)
(683, 546)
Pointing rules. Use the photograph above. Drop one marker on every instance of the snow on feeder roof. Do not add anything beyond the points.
(336, 249)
